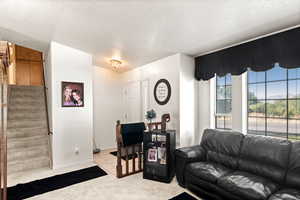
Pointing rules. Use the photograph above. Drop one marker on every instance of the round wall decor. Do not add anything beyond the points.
(162, 91)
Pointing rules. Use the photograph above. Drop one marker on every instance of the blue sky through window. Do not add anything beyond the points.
(274, 102)
(277, 88)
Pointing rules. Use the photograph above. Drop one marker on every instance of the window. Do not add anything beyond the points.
(274, 102)
(223, 102)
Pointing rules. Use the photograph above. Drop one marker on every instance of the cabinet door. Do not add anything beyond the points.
(36, 73)
(23, 72)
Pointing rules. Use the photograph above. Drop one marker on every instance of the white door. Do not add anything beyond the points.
(145, 98)
(132, 101)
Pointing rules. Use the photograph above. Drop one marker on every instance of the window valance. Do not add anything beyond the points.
(259, 55)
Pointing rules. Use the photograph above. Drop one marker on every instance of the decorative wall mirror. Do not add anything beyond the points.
(162, 91)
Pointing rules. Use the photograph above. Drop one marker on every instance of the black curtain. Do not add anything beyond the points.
(258, 55)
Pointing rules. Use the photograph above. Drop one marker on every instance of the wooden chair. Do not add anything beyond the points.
(124, 150)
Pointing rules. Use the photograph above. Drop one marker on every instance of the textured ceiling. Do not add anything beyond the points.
(141, 31)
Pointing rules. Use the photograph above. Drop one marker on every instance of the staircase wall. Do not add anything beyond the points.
(72, 127)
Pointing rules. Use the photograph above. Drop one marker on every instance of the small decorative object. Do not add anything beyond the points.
(164, 119)
(150, 115)
(154, 138)
(162, 91)
(162, 156)
(72, 94)
(152, 155)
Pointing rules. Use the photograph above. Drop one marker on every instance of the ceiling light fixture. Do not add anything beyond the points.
(115, 63)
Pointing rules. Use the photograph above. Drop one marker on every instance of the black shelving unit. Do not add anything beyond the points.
(159, 158)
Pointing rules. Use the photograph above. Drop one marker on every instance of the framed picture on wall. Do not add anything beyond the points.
(162, 91)
(72, 94)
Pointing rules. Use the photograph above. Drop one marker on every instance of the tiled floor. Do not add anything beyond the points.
(108, 187)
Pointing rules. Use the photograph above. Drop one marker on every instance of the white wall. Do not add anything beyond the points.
(104, 104)
(236, 112)
(206, 107)
(72, 127)
(188, 102)
(178, 69)
(108, 106)
(167, 68)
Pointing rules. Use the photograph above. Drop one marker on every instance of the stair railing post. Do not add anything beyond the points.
(3, 156)
(4, 64)
(119, 150)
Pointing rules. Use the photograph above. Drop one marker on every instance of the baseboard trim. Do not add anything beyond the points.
(86, 162)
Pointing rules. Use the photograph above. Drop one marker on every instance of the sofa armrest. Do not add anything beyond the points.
(186, 155)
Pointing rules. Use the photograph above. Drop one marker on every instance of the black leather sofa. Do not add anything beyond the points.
(230, 165)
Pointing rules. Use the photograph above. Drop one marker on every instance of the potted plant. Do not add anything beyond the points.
(150, 115)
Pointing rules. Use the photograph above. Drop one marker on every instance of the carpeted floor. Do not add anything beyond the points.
(110, 187)
(26, 190)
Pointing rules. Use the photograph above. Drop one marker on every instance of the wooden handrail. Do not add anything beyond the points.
(4, 64)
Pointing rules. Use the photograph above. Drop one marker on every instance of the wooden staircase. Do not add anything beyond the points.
(24, 129)
(27, 129)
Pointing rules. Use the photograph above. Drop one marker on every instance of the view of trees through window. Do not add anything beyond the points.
(274, 102)
(223, 102)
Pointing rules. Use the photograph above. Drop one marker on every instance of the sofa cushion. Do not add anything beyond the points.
(211, 190)
(293, 173)
(222, 147)
(265, 156)
(286, 194)
(207, 171)
(247, 186)
(192, 153)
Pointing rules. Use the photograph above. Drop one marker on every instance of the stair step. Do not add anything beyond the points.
(27, 116)
(26, 132)
(25, 88)
(25, 110)
(26, 95)
(26, 153)
(26, 123)
(38, 92)
(29, 164)
(19, 143)
(27, 101)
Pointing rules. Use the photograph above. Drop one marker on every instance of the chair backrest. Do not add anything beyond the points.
(222, 146)
(265, 156)
(132, 133)
(293, 173)
(129, 141)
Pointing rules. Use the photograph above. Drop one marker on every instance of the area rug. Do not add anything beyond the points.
(26, 190)
(183, 196)
(130, 156)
